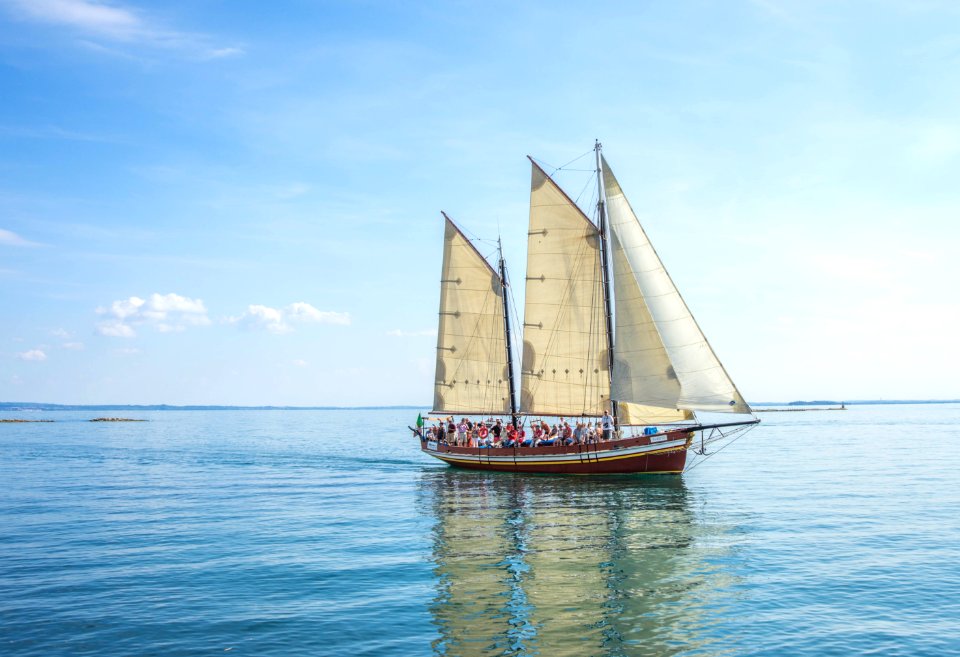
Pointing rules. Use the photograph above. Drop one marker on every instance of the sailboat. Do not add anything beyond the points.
(606, 337)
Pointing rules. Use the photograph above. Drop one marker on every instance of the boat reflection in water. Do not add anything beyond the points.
(561, 566)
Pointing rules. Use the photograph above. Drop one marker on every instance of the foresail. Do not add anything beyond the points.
(703, 382)
(642, 371)
(564, 365)
(471, 374)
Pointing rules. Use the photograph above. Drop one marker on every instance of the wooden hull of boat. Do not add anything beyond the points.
(659, 454)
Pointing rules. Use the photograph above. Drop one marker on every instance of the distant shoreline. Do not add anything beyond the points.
(34, 406)
(38, 406)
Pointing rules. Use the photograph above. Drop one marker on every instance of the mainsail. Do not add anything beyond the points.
(662, 357)
(471, 374)
(564, 365)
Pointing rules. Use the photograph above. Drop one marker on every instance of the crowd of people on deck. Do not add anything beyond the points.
(494, 433)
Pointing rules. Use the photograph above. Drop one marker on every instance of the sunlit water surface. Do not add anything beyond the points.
(274, 533)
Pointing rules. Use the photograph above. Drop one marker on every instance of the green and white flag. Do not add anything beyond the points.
(419, 421)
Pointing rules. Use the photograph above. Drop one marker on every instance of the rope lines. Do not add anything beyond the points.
(554, 169)
(735, 435)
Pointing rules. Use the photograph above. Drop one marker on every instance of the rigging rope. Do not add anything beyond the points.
(555, 169)
(742, 431)
(585, 187)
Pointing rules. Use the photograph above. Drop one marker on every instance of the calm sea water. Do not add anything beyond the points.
(274, 533)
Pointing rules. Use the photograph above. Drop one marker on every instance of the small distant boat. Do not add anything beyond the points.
(604, 329)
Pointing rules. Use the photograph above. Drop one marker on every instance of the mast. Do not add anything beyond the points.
(605, 274)
(506, 329)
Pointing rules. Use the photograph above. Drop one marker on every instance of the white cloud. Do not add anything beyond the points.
(115, 328)
(281, 320)
(115, 22)
(74, 346)
(60, 333)
(124, 308)
(9, 238)
(174, 302)
(400, 333)
(168, 313)
(126, 351)
(299, 362)
(33, 354)
(304, 312)
(263, 317)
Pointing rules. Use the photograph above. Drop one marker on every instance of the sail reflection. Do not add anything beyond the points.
(560, 566)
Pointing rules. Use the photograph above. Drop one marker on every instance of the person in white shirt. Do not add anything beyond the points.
(607, 423)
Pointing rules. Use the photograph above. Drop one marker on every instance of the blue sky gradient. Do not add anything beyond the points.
(267, 178)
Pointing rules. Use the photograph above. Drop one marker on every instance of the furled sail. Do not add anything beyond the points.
(630, 413)
(564, 364)
(471, 375)
(661, 351)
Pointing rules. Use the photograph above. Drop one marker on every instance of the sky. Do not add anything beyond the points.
(238, 202)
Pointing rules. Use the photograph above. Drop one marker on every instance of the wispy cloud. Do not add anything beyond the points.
(64, 334)
(32, 355)
(165, 312)
(53, 132)
(9, 238)
(89, 16)
(116, 23)
(218, 53)
(282, 320)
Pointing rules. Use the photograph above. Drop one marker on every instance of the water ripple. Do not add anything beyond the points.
(288, 533)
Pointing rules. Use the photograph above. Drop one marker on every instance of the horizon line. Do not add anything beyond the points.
(186, 407)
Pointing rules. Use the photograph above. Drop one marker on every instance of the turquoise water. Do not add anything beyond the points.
(327, 533)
